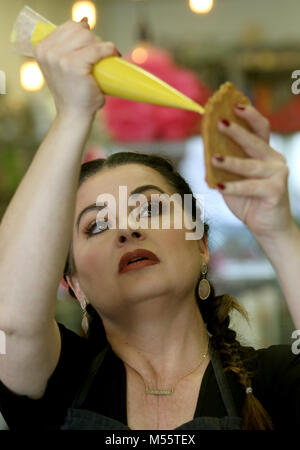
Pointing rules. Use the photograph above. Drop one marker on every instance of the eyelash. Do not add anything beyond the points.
(88, 230)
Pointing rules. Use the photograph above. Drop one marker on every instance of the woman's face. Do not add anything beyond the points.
(97, 256)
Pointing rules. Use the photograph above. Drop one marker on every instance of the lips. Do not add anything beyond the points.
(139, 253)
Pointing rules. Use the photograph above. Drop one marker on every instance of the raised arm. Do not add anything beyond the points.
(261, 201)
(36, 229)
(283, 251)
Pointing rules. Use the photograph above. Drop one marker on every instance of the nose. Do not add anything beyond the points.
(128, 235)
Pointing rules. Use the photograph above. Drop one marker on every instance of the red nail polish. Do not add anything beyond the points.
(117, 52)
(85, 21)
(219, 158)
(225, 122)
(221, 186)
(241, 108)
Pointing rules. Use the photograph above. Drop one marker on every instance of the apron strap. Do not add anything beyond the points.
(216, 363)
(86, 385)
(222, 381)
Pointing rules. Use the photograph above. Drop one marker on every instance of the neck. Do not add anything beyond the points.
(160, 347)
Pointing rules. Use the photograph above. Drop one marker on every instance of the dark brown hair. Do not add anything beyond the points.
(215, 310)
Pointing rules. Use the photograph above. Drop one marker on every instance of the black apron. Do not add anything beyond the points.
(82, 419)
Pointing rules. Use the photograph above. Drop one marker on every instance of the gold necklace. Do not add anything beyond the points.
(170, 391)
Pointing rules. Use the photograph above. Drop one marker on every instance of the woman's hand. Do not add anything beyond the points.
(66, 58)
(261, 201)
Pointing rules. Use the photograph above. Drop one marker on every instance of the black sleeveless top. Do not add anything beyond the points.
(276, 384)
(79, 418)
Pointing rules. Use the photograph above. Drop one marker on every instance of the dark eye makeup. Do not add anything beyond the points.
(155, 207)
(90, 228)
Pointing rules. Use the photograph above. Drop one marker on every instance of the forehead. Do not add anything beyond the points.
(109, 180)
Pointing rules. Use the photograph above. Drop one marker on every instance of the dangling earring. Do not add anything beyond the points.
(85, 320)
(204, 286)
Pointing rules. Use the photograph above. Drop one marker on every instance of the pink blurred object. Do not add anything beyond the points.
(133, 121)
(62, 291)
(63, 285)
(93, 152)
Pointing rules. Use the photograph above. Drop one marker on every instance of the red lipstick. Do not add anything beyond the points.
(137, 259)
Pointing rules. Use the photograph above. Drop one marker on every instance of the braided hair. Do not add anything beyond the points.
(215, 310)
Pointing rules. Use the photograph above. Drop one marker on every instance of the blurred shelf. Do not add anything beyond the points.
(236, 270)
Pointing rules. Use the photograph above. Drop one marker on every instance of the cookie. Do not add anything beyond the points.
(220, 106)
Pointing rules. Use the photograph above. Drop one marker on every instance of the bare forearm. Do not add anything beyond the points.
(283, 251)
(36, 229)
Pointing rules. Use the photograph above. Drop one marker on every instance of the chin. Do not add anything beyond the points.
(142, 289)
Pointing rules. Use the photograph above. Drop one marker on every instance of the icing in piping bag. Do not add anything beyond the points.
(115, 76)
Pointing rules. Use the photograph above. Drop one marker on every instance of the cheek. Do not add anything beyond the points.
(181, 220)
(90, 261)
(175, 244)
(184, 252)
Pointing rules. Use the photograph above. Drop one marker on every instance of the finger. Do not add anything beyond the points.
(250, 168)
(259, 124)
(60, 34)
(77, 40)
(66, 38)
(63, 49)
(249, 188)
(271, 187)
(93, 53)
(252, 144)
(85, 22)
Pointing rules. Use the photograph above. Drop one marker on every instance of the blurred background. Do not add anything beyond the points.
(194, 45)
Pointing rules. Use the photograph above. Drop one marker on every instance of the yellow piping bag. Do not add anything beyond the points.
(115, 76)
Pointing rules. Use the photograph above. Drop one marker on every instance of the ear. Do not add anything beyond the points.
(75, 286)
(203, 248)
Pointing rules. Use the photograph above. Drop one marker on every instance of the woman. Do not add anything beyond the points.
(159, 339)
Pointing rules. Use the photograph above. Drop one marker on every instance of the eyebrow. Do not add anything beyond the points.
(138, 190)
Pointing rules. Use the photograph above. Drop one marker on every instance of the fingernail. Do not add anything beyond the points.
(218, 157)
(116, 51)
(240, 107)
(221, 186)
(225, 122)
(85, 21)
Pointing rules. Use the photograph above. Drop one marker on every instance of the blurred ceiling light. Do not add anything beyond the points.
(84, 9)
(31, 77)
(139, 55)
(201, 6)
